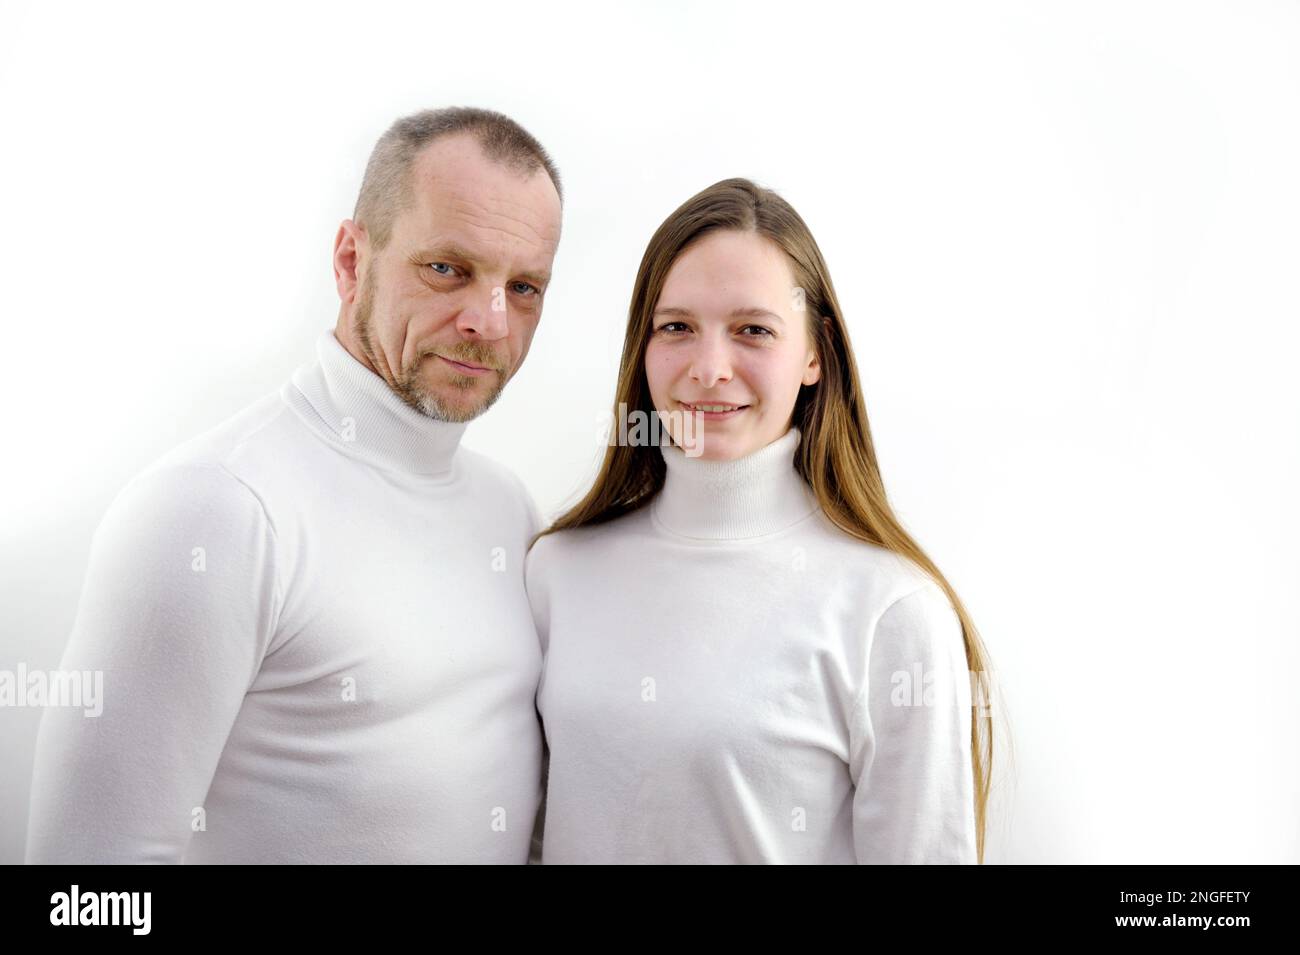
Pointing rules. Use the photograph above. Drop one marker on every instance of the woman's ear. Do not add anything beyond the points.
(813, 372)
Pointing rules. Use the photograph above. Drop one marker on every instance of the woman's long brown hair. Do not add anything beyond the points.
(835, 455)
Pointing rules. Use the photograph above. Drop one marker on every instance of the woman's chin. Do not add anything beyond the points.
(720, 443)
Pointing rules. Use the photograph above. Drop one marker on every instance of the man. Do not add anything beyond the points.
(311, 621)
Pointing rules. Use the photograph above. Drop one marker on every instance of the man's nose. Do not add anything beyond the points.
(710, 363)
(485, 316)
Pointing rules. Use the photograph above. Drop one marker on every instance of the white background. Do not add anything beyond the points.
(1065, 235)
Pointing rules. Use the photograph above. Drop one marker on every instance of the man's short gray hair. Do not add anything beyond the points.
(386, 186)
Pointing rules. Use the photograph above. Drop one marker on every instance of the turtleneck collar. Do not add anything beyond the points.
(353, 408)
(751, 496)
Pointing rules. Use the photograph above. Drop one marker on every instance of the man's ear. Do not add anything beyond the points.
(351, 245)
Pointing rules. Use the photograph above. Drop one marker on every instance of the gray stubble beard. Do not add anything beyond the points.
(407, 384)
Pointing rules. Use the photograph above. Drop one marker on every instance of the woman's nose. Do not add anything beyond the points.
(710, 363)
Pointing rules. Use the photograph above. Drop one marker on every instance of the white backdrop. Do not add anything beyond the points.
(1065, 235)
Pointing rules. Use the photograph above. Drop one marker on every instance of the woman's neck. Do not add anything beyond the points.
(751, 496)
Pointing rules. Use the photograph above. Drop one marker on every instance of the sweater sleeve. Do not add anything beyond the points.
(910, 738)
(534, 515)
(177, 610)
(535, 586)
(538, 600)
(539, 822)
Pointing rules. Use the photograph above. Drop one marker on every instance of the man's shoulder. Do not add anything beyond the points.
(492, 475)
(489, 477)
(253, 432)
(215, 470)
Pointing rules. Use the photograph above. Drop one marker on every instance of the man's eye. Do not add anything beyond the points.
(439, 266)
(523, 288)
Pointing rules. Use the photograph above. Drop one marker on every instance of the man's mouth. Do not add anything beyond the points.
(465, 368)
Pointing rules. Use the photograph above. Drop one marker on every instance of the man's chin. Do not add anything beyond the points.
(454, 408)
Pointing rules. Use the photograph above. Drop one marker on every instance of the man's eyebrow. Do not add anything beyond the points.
(540, 279)
(752, 311)
(453, 251)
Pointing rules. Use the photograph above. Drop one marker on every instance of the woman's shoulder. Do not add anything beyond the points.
(590, 540)
(877, 575)
(896, 610)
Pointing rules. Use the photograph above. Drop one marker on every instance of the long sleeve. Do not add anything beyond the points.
(177, 610)
(536, 590)
(539, 823)
(910, 732)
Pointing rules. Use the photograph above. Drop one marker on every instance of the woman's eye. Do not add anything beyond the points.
(670, 326)
(761, 330)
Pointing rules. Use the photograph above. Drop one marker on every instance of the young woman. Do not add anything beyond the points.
(747, 658)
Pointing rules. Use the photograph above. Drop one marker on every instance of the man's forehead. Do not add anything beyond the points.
(453, 179)
(463, 230)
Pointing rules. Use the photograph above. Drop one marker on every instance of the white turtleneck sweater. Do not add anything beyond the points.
(315, 644)
(724, 677)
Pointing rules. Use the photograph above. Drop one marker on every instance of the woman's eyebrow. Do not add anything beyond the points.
(756, 312)
(752, 311)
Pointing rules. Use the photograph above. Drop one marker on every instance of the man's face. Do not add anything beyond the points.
(445, 313)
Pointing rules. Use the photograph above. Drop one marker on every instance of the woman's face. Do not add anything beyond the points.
(729, 330)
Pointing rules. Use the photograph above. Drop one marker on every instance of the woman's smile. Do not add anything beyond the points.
(713, 411)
